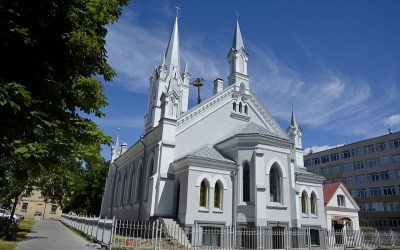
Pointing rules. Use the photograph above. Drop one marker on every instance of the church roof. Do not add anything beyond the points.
(304, 171)
(253, 128)
(330, 190)
(209, 152)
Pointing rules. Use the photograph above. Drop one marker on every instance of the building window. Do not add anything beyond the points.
(315, 161)
(370, 163)
(203, 194)
(348, 167)
(337, 169)
(364, 207)
(396, 158)
(317, 172)
(53, 209)
(348, 181)
(325, 159)
(307, 163)
(397, 171)
(345, 154)
(240, 107)
(386, 175)
(377, 207)
(234, 106)
(313, 204)
(389, 190)
(384, 161)
(340, 200)
(246, 182)
(392, 206)
(274, 185)
(369, 149)
(335, 157)
(362, 193)
(326, 171)
(246, 109)
(373, 177)
(217, 196)
(358, 165)
(395, 143)
(356, 152)
(304, 202)
(375, 191)
(24, 207)
(360, 178)
(380, 146)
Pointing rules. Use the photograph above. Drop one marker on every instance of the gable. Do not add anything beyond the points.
(349, 202)
(215, 119)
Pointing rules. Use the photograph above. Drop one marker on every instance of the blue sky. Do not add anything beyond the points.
(337, 61)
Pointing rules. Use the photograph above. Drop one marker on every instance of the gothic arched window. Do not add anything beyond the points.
(234, 106)
(132, 184)
(313, 204)
(217, 195)
(246, 182)
(240, 107)
(246, 109)
(274, 185)
(304, 202)
(123, 187)
(203, 194)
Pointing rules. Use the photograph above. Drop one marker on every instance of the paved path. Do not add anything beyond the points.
(52, 235)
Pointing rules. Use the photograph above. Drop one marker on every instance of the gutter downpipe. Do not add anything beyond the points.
(234, 198)
(141, 179)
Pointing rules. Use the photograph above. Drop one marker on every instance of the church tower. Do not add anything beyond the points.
(169, 88)
(238, 58)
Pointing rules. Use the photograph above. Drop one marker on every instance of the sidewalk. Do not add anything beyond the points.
(52, 235)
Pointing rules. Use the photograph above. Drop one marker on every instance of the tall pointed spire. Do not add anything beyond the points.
(293, 122)
(237, 38)
(172, 54)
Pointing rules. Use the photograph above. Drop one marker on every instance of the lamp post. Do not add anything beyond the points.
(198, 82)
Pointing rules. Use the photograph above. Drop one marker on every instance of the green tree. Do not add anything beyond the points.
(54, 56)
(82, 186)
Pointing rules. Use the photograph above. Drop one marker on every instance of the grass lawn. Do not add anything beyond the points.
(25, 227)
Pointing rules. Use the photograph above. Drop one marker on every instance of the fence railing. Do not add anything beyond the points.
(119, 234)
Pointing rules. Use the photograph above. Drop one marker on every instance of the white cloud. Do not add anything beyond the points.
(325, 98)
(393, 120)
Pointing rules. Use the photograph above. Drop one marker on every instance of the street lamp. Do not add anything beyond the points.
(198, 82)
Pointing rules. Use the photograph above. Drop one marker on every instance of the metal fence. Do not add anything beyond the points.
(118, 234)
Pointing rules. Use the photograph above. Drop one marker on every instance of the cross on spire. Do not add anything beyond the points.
(177, 9)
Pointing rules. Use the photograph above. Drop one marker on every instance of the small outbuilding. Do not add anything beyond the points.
(340, 208)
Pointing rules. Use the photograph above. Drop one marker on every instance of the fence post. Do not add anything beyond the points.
(113, 227)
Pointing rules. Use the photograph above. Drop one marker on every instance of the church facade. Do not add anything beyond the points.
(224, 162)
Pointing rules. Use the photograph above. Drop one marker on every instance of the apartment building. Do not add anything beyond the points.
(370, 170)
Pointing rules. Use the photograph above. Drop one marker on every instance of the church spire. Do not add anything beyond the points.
(293, 122)
(238, 59)
(172, 54)
(237, 38)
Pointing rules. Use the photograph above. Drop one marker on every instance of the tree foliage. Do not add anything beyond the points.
(53, 55)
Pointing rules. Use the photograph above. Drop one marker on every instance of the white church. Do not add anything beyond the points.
(225, 161)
